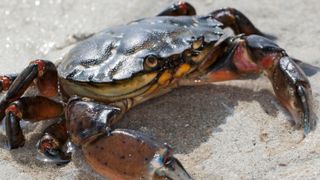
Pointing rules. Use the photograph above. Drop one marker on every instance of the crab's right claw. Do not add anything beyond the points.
(293, 90)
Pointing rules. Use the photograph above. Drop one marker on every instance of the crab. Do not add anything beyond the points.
(109, 73)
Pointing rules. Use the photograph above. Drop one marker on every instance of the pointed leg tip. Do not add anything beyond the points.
(293, 90)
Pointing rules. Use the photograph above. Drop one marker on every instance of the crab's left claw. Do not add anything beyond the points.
(293, 90)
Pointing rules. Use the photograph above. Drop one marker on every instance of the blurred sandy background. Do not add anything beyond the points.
(234, 130)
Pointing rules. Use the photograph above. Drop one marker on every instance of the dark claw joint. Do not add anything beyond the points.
(294, 92)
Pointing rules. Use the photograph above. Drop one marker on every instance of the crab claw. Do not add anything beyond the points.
(290, 83)
(127, 154)
(173, 169)
(293, 90)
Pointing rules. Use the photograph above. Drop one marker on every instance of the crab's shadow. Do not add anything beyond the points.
(187, 116)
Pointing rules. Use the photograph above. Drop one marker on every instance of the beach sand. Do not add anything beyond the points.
(232, 130)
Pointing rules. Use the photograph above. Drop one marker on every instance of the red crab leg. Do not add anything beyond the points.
(84, 119)
(237, 21)
(6, 81)
(46, 77)
(52, 142)
(32, 109)
(179, 9)
(253, 54)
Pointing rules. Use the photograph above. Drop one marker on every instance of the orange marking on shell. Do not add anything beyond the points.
(243, 61)
(165, 78)
(182, 70)
(5, 82)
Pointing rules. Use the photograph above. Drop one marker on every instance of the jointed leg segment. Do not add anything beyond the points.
(254, 54)
(36, 108)
(45, 74)
(179, 9)
(6, 81)
(237, 21)
(29, 108)
(51, 145)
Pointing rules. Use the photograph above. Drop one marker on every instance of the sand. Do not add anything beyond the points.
(233, 130)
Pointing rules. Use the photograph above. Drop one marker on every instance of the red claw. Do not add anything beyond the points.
(41, 66)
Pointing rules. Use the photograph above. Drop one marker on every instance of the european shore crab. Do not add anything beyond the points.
(109, 73)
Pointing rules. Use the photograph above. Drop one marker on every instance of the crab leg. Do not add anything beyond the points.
(31, 108)
(254, 54)
(237, 21)
(6, 81)
(179, 9)
(118, 154)
(43, 71)
(50, 146)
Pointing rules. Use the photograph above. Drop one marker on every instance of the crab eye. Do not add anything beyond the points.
(150, 62)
